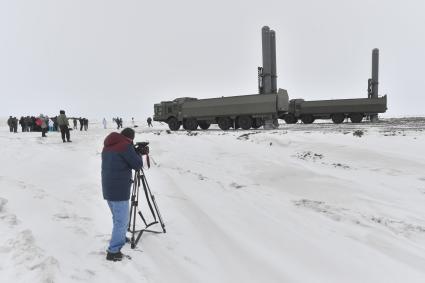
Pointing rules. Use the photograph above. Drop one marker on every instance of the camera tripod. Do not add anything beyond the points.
(140, 178)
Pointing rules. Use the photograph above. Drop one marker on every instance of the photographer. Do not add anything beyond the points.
(119, 158)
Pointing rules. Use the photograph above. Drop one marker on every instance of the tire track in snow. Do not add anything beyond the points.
(227, 253)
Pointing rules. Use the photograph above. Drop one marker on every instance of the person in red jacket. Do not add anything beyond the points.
(119, 158)
(42, 122)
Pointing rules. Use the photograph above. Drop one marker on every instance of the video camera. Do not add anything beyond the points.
(142, 148)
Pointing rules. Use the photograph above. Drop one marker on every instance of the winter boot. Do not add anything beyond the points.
(114, 256)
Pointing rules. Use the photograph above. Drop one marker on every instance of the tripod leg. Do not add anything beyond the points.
(148, 191)
(145, 188)
(133, 210)
(159, 214)
(143, 218)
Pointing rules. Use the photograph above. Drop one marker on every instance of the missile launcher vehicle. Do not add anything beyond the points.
(245, 111)
(263, 109)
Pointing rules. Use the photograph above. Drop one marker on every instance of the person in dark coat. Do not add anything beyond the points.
(55, 123)
(33, 124)
(119, 158)
(15, 124)
(27, 123)
(119, 122)
(81, 120)
(149, 120)
(74, 121)
(86, 124)
(21, 122)
(63, 123)
(9, 123)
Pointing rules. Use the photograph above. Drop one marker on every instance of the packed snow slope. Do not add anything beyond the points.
(302, 203)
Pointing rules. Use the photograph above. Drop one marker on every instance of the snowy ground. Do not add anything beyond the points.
(303, 203)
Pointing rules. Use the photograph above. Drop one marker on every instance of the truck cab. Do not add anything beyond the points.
(167, 109)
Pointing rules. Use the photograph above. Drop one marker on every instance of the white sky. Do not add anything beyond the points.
(99, 58)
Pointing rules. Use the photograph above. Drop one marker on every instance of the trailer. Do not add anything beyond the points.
(337, 109)
(245, 111)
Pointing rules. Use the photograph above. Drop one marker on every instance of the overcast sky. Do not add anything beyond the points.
(103, 58)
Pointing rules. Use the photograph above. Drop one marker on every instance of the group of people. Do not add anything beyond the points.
(84, 123)
(118, 120)
(61, 121)
(28, 124)
(43, 124)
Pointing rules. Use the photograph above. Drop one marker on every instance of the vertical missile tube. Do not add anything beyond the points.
(273, 61)
(267, 83)
(375, 72)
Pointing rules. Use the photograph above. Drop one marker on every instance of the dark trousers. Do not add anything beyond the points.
(81, 127)
(43, 132)
(64, 132)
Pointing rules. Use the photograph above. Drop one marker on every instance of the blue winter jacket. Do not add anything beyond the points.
(118, 159)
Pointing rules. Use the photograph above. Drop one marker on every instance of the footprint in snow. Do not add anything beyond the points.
(83, 275)
(237, 186)
(24, 253)
(72, 217)
(73, 222)
(3, 203)
(10, 219)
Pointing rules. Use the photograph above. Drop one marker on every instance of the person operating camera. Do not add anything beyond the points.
(119, 158)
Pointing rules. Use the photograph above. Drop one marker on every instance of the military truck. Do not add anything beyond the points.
(337, 109)
(245, 111)
(253, 111)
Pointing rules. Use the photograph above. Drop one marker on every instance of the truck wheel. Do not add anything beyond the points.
(204, 125)
(245, 122)
(258, 122)
(191, 124)
(224, 123)
(356, 118)
(307, 119)
(374, 118)
(290, 119)
(338, 118)
(173, 124)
